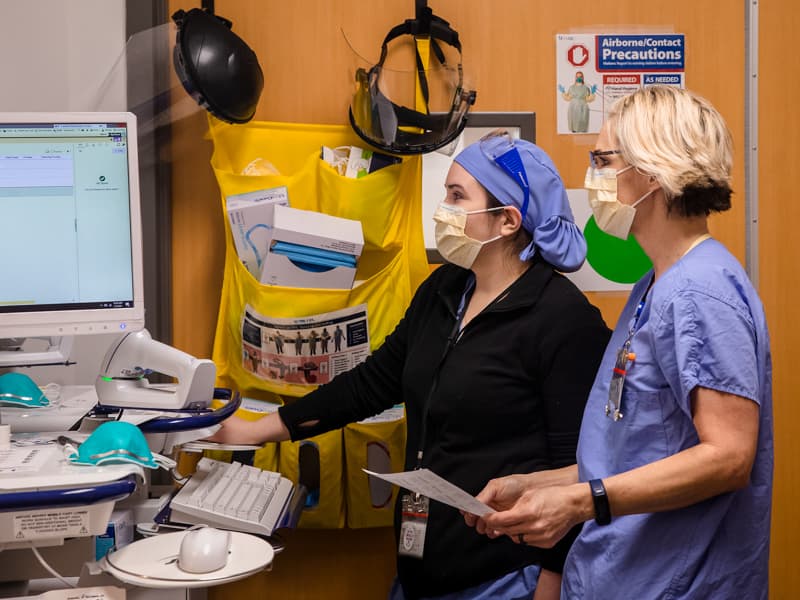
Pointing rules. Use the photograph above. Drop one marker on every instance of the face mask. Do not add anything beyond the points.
(17, 389)
(579, 80)
(116, 442)
(611, 215)
(452, 242)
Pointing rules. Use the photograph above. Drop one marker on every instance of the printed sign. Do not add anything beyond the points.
(594, 70)
(309, 350)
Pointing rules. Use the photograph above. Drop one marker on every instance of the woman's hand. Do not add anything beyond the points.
(236, 430)
(541, 516)
(500, 494)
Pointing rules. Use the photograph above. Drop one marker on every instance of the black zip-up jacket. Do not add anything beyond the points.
(509, 399)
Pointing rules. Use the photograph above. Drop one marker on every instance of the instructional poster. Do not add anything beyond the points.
(305, 351)
(594, 69)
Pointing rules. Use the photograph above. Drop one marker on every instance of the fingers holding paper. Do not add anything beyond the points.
(528, 513)
(500, 494)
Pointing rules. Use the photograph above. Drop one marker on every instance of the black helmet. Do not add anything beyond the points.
(216, 67)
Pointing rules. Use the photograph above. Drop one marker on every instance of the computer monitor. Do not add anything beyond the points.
(70, 225)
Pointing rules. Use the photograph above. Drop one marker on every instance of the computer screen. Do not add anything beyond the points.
(70, 226)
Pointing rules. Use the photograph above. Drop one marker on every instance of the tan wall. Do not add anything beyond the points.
(779, 283)
(509, 52)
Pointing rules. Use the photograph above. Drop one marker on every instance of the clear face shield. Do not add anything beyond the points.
(414, 99)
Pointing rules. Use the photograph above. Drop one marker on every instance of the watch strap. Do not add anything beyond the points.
(602, 509)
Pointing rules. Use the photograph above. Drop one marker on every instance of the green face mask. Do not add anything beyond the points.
(17, 389)
(116, 442)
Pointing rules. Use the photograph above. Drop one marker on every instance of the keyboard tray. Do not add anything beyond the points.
(233, 496)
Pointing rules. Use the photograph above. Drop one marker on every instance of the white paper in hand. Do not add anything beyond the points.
(428, 483)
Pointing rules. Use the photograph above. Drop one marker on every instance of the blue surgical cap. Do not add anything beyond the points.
(549, 219)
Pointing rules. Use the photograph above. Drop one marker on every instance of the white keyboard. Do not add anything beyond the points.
(233, 496)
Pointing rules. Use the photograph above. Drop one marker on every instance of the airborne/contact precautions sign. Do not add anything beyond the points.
(595, 69)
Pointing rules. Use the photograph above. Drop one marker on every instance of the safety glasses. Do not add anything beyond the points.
(498, 146)
(597, 157)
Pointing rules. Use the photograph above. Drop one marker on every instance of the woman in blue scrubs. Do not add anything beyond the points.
(675, 457)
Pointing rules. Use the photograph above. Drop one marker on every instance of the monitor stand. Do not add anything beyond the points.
(74, 403)
(36, 351)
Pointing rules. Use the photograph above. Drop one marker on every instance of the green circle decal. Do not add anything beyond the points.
(620, 261)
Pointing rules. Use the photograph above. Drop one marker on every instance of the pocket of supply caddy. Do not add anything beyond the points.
(377, 444)
(316, 463)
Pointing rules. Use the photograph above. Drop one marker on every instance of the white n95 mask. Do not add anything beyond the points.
(611, 215)
(452, 242)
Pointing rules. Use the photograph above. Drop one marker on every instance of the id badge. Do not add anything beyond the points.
(614, 404)
(413, 523)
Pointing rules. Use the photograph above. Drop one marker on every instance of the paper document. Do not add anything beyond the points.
(428, 483)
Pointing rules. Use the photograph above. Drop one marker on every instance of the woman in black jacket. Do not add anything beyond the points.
(493, 359)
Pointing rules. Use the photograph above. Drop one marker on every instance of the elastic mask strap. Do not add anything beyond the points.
(621, 171)
(640, 200)
(483, 210)
(51, 391)
(164, 461)
(70, 451)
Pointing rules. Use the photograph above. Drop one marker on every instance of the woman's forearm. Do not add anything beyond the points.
(563, 476)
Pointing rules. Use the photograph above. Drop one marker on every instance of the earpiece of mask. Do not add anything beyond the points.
(452, 242)
(611, 215)
(116, 442)
(17, 389)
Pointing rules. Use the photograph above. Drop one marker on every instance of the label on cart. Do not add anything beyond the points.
(51, 523)
(24, 460)
(104, 592)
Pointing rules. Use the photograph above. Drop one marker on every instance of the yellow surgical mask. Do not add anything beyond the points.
(452, 242)
(611, 215)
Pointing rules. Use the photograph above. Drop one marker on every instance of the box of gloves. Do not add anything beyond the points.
(312, 250)
(251, 216)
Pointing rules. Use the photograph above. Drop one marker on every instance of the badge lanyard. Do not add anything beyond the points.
(414, 507)
(624, 358)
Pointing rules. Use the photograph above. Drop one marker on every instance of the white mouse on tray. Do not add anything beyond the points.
(204, 549)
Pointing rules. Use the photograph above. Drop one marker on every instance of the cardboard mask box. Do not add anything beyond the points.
(313, 231)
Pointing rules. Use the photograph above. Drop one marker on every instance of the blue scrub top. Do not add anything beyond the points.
(702, 325)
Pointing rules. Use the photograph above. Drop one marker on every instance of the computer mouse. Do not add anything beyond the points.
(204, 549)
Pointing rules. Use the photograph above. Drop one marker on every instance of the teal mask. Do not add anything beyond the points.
(17, 389)
(116, 442)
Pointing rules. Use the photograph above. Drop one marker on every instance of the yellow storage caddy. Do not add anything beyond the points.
(317, 464)
(377, 444)
(392, 264)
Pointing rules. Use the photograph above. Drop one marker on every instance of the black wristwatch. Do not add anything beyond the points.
(602, 510)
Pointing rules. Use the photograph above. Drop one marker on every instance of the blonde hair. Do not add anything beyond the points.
(681, 139)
